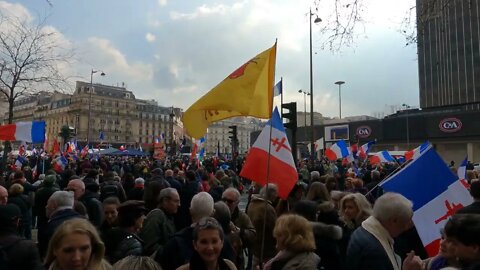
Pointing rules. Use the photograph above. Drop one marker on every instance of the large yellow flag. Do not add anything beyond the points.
(248, 91)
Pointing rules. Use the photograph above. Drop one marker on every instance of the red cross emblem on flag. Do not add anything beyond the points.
(279, 144)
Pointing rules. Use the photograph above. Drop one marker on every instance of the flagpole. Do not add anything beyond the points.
(400, 166)
(266, 192)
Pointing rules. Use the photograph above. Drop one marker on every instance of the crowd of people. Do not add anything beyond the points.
(140, 213)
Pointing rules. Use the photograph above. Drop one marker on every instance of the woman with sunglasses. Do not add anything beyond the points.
(208, 239)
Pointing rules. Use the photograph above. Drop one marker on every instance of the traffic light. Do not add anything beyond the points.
(291, 115)
(233, 137)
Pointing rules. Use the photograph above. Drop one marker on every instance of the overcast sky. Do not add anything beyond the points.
(176, 51)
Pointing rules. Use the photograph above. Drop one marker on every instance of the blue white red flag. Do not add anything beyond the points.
(338, 150)
(364, 149)
(281, 170)
(381, 157)
(201, 146)
(278, 89)
(414, 153)
(84, 151)
(19, 162)
(462, 169)
(436, 194)
(33, 132)
(60, 163)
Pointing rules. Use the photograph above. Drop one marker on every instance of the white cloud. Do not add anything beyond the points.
(150, 37)
(116, 62)
(201, 11)
(16, 10)
(162, 3)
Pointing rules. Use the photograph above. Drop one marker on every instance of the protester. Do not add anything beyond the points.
(76, 245)
(110, 211)
(58, 210)
(41, 199)
(17, 197)
(295, 245)
(463, 232)
(153, 186)
(263, 216)
(208, 240)
(241, 223)
(179, 248)
(159, 225)
(138, 190)
(3, 195)
(326, 236)
(123, 240)
(19, 253)
(473, 208)
(88, 199)
(371, 244)
(446, 256)
(111, 186)
(136, 263)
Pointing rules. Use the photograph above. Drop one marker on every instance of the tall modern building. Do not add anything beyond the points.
(448, 34)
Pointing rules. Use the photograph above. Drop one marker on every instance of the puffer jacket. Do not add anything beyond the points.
(119, 243)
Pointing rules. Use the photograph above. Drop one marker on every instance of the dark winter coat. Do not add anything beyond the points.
(256, 211)
(94, 207)
(365, 252)
(21, 253)
(157, 229)
(120, 243)
(55, 221)
(41, 198)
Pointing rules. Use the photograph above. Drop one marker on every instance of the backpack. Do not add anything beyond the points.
(4, 248)
(109, 189)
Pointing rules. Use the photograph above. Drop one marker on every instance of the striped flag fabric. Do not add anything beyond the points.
(414, 153)
(364, 149)
(282, 170)
(337, 150)
(278, 88)
(32, 132)
(381, 157)
(436, 194)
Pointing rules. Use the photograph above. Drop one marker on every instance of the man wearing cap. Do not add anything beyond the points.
(20, 253)
(159, 225)
(123, 240)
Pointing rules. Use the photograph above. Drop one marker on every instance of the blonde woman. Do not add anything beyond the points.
(75, 245)
(354, 209)
(295, 244)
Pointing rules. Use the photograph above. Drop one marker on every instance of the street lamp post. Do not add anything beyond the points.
(90, 101)
(312, 139)
(305, 94)
(407, 107)
(339, 83)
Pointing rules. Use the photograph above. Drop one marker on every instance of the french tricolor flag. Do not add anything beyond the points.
(414, 153)
(60, 163)
(436, 194)
(33, 132)
(281, 169)
(381, 157)
(338, 150)
(364, 149)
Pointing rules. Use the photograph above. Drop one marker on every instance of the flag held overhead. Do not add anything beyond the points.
(248, 91)
(281, 168)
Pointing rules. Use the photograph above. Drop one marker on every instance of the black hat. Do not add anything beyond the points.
(132, 206)
(157, 171)
(8, 214)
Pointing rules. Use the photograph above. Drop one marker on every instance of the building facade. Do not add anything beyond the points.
(111, 110)
(448, 35)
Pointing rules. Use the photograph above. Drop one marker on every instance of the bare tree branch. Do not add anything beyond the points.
(30, 59)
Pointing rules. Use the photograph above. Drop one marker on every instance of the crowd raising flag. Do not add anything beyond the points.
(248, 91)
(32, 132)
(436, 194)
(337, 150)
(281, 168)
(381, 157)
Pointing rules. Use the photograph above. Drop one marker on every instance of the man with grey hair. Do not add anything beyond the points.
(59, 209)
(242, 224)
(3, 196)
(371, 245)
(179, 248)
(159, 225)
(260, 211)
